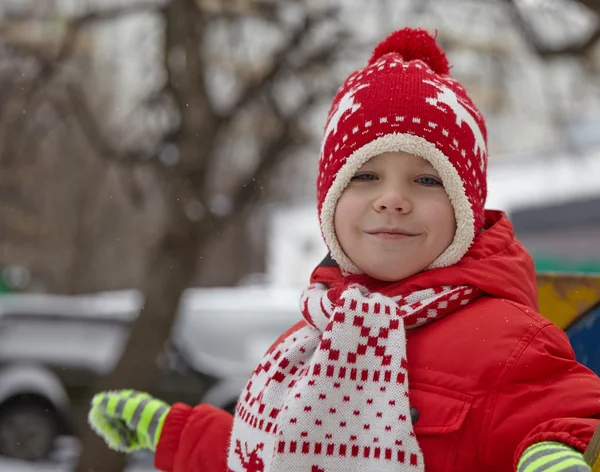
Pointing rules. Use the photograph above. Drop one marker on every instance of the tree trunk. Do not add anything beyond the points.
(172, 265)
(81, 249)
(169, 272)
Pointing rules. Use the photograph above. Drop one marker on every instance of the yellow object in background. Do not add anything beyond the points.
(564, 297)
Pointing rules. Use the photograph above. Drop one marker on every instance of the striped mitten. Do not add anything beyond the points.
(552, 457)
(128, 420)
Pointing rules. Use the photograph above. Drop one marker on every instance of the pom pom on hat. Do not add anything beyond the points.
(412, 44)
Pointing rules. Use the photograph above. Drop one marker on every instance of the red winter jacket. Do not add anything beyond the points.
(488, 380)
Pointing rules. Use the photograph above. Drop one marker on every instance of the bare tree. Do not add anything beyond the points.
(185, 156)
(195, 143)
(46, 162)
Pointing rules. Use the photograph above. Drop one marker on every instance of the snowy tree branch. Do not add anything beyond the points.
(247, 193)
(255, 89)
(50, 64)
(577, 48)
(279, 62)
(88, 124)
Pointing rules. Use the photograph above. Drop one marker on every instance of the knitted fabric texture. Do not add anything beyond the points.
(405, 100)
(333, 396)
(128, 420)
(552, 456)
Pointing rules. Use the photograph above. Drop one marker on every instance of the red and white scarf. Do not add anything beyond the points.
(333, 396)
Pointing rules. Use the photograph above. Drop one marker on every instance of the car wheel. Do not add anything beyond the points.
(27, 430)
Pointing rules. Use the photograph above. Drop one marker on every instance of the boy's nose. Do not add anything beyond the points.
(393, 201)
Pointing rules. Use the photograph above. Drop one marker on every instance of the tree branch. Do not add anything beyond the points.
(186, 83)
(321, 56)
(279, 62)
(107, 14)
(51, 63)
(73, 28)
(103, 14)
(593, 5)
(247, 194)
(577, 48)
(95, 137)
(219, 9)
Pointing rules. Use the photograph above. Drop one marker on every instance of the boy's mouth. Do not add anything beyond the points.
(391, 233)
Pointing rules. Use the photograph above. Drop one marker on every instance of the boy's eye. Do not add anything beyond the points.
(364, 176)
(429, 181)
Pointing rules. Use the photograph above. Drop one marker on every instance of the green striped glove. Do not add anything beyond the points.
(552, 457)
(128, 420)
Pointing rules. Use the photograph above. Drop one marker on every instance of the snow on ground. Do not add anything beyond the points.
(64, 460)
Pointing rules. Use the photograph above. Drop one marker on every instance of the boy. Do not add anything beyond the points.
(420, 346)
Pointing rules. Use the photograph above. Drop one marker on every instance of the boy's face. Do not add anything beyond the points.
(394, 218)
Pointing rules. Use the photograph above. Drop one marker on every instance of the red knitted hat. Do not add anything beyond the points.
(405, 100)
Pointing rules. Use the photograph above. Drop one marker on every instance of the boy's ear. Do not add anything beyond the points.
(328, 262)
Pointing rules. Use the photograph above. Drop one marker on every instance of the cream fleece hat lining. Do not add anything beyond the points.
(396, 142)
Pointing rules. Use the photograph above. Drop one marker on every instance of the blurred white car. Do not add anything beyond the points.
(52, 349)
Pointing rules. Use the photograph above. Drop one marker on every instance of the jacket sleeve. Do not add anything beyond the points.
(546, 396)
(197, 439)
(194, 439)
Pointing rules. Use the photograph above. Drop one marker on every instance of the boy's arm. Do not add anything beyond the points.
(194, 439)
(546, 396)
(184, 439)
(197, 439)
